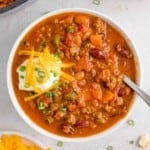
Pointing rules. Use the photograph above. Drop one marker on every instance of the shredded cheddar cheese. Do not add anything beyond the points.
(66, 76)
(27, 52)
(36, 95)
(15, 142)
(38, 67)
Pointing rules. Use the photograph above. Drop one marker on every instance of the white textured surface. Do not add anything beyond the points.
(133, 15)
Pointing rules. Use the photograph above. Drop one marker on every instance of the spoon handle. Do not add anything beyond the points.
(140, 92)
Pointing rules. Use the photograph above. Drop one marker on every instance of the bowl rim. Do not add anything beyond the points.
(13, 98)
(25, 136)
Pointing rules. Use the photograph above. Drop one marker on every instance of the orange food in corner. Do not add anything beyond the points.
(15, 142)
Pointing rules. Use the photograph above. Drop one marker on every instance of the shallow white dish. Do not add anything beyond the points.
(10, 86)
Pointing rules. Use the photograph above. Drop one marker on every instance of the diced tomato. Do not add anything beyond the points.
(82, 27)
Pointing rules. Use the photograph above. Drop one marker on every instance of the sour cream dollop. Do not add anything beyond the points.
(53, 76)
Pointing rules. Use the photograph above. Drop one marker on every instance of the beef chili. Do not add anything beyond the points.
(82, 59)
(5, 3)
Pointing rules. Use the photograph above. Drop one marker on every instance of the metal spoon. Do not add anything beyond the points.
(139, 92)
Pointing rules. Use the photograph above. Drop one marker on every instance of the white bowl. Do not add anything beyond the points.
(11, 90)
(26, 138)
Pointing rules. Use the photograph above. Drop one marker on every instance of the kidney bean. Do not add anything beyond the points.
(123, 50)
(125, 53)
(97, 53)
(121, 92)
(66, 128)
(82, 124)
